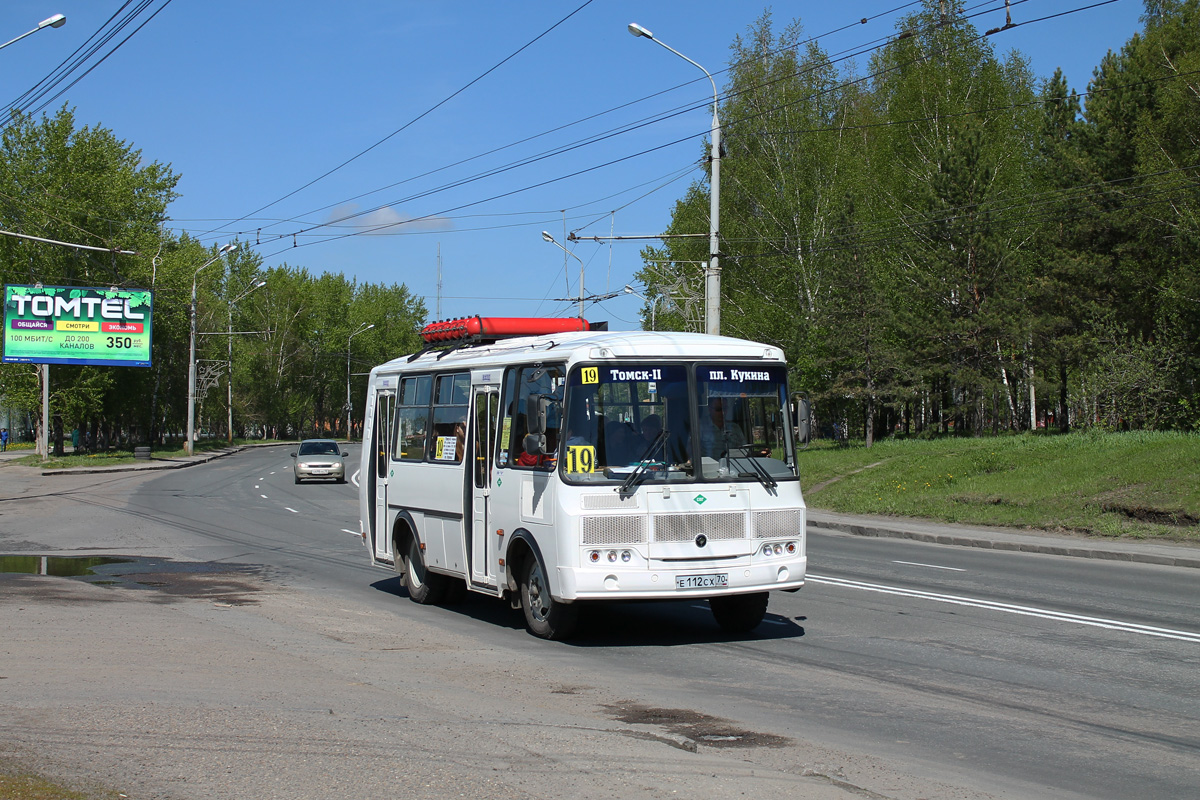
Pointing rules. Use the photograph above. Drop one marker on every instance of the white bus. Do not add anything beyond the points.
(552, 464)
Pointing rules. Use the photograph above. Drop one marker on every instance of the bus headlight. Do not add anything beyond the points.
(626, 555)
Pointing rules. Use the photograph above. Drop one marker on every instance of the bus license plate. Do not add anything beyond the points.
(701, 581)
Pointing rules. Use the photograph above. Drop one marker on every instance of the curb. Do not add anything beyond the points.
(999, 541)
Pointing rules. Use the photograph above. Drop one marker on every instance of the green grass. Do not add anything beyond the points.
(114, 458)
(1139, 484)
(20, 785)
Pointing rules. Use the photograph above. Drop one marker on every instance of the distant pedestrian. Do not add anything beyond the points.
(3, 439)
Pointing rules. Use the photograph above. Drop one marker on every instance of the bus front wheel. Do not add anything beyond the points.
(739, 613)
(423, 586)
(544, 616)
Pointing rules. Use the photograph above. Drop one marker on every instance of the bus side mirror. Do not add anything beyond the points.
(802, 417)
(535, 444)
(535, 414)
(535, 421)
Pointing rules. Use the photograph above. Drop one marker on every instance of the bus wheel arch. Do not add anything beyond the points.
(529, 585)
(424, 587)
(402, 535)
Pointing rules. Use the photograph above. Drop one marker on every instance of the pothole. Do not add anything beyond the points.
(698, 727)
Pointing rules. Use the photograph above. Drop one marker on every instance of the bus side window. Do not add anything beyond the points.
(412, 418)
(523, 382)
(450, 418)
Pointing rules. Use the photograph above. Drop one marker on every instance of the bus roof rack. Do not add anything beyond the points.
(485, 330)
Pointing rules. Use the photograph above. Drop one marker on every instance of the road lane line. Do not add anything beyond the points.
(352, 533)
(1008, 608)
(294, 511)
(931, 566)
(263, 496)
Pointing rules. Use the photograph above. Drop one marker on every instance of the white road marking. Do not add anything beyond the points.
(352, 533)
(931, 566)
(1008, 608)
(294, 511)
(263, 496)
(354, 477)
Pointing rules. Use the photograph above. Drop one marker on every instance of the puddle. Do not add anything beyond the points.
(230, 584)
(58, 566)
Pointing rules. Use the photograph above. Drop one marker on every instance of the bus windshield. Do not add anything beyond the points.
(651, 421)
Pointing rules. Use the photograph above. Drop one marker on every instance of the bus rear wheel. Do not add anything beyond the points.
(423, 586)
(739, 613)
(545, 617)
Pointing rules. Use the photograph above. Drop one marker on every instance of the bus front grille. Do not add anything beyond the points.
(686, 527)
(778, 524)
(609, 530)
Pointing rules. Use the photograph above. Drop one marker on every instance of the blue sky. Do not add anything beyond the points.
(249, 102)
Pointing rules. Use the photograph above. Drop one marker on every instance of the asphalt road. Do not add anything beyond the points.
(902, 669)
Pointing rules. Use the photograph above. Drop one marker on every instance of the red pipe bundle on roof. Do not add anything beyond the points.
(499, 327)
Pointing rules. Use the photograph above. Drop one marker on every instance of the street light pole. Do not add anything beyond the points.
(361, 329)
(229, 355)
(57, 21)
(550, 239)
(712, 276)
(653, 305)
(191, 431)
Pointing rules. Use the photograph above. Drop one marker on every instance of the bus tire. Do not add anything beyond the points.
(739, 613)
(424, 587)
(545, 617)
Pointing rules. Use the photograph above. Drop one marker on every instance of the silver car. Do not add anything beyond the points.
(319, 458)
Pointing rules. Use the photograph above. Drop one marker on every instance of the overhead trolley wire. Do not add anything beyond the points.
(422, 115)
(558, 151)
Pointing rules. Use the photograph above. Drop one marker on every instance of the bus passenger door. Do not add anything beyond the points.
(381, 444)
(484, 544)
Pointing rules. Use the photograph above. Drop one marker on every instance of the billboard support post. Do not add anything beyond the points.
(44, 444)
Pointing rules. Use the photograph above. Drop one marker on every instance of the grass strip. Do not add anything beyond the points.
(1137, 484)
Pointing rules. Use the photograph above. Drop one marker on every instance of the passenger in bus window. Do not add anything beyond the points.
(651, 428)
(720, 435)
(620, 444)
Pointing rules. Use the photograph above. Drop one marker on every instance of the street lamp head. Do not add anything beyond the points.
(260, 284)
(546, 235)
(229, 248)
(372, 325)
(57, 21)
(638, 30)
(629, 289)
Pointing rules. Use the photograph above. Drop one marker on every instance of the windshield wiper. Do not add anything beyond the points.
(640, 468)
(761, 474)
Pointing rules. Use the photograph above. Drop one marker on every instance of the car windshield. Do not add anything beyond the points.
(319, 449)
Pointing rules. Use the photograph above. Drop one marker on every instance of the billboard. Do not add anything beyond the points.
(77, 325)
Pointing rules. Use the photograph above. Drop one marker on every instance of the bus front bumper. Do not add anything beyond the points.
(598, 583)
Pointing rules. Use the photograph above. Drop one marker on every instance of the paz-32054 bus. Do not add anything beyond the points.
(552, 464)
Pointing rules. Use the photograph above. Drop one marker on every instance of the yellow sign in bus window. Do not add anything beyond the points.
(581, 458)
(590, 375)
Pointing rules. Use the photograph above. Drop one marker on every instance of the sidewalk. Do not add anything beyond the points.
(1164, 553)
